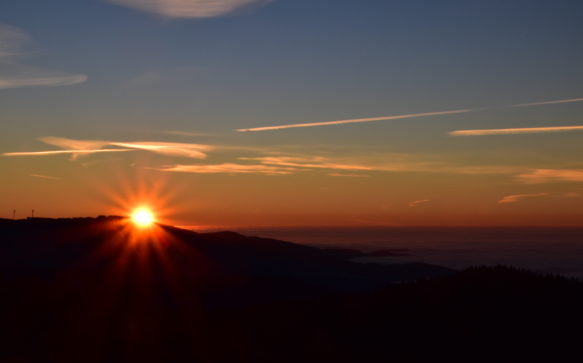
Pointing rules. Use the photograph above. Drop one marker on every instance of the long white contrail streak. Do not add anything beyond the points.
(356, 120)
(569, 100)
(56, 152)
(399, 117)
(526, 130)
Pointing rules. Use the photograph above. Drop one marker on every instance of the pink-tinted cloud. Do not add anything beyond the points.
(517, 197)
(526, 130)
(168, 148)
(541, 176)
(72, 144)
(188, 8)
(346, 175)
(308, 163)
(40, 176)
(84, 147)
(227, 168)
(415, 203)
(397, 163)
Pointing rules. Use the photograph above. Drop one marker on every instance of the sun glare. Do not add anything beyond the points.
(143, 217)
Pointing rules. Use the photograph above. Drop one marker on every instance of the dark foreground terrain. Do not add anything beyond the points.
(91, 290)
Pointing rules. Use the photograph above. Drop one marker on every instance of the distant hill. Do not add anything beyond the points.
(87, 246)
(95, 289)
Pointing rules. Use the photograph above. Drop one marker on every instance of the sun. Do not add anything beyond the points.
(143, 217)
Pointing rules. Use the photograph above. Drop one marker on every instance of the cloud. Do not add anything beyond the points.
(407, 116)
(168, 148)
(398, 163)
(16, 75)
(44, 177)
(528, 130)
(227, 168)
(481, 169)
(349, 175)
(335, 167)
(84, 147)
(417, 202)
(185, 133)
(11, 40)
(73, 144)
(269, 164)
(308, 162)
(54, 81)
(188, 8)
(517, 197)
(541, 176)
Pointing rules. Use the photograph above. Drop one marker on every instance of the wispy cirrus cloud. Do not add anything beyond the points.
(316, 162)
(74, 153)
(517, 197)
(185, 133)
(415, 203)
(349, 175)
(195, 151)
(47, 177)
(395, 163)
(510, 131)
(189, 8)
(540, 176)
(405, 116)
(11, 40)
(73, 144)
(227, 168)
(333, 166)
(47, 81)
(85, 147)
(275, 162)
(13, 74)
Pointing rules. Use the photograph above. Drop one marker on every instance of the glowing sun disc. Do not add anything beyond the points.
(143, 217)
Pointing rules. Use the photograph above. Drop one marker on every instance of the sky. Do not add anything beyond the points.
(294, 112)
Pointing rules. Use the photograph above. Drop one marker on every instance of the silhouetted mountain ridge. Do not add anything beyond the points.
(98, 289)
(52, 245)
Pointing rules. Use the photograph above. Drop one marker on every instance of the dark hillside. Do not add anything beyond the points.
(96, 290)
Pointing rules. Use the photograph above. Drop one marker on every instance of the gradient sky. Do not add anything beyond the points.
(447, 110)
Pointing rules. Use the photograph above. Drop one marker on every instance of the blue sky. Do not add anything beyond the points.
(139, 74)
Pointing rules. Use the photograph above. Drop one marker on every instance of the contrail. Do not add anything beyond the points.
(526, 130)
(569, 100)
(399, 117)
(356, 120)
(44, 177)
(55, 152)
